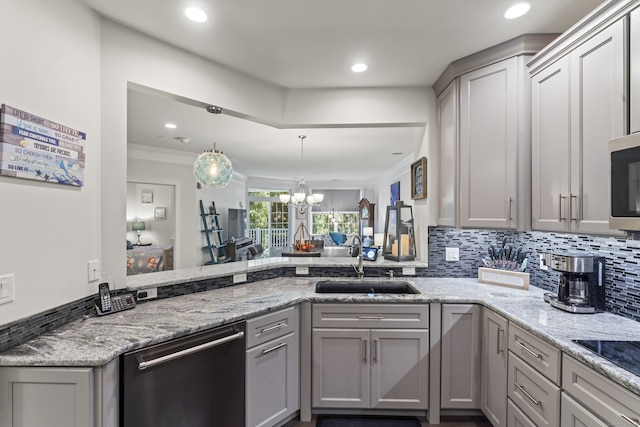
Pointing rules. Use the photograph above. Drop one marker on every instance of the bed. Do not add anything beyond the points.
(148, 259)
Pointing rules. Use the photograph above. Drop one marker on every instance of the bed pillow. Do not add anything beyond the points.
(129, 245)
(338, 238)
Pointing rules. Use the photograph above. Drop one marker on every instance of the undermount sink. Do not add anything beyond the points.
(365, 287)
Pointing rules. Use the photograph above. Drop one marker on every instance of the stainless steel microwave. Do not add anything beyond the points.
(624, 211)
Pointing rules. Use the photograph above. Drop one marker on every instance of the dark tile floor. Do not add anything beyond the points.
(445, 422)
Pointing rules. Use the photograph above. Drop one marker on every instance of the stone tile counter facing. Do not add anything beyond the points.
(97, 340)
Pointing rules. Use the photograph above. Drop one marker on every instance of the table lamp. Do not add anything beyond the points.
(138, 226)
(367, 232)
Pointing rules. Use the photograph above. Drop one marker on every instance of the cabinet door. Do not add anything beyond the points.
(493, 394)
(399, 369)
(460, 369)
(340, 368)
(52, 397)
(517, 418)
(448, 155)
(598, 104)
(634, 74)
(550, 123)
(488, 145)
(572, 414)
(272, 381)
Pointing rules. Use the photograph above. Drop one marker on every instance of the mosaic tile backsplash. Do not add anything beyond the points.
(622, 272)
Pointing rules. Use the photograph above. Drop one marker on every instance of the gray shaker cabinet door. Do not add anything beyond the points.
(493, 395)
(460, 372)
(448, 155)
(340, 368)
(634, 61)
(272, 381)
(399, 369)
(489, 146)
(52, 397)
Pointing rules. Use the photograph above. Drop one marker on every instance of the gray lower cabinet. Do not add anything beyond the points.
(607, 401)
(574, 414)
(517, 418)
(460, 362)
(272, 368)
(493, 394)
(367, 363)
(52, 397)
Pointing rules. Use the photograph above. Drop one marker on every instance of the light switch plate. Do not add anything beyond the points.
(408, 271)
(543, 266)
(240, 278)
(452, 254)
(93, 270)
(302, 271)
(7, 288)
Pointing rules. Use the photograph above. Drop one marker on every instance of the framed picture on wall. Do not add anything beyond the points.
(395, 193)
(147, 197)
(419, 179)
(160, 214)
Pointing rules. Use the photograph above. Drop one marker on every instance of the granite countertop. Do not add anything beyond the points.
(97, 340)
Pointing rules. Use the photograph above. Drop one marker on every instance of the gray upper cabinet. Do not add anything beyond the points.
(635, 70)
(448, 155)
(578, 105)
(489, 145)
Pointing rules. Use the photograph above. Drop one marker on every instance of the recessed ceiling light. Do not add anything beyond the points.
(195, 14)
(358, 68)
(170, 125)
(517, 10)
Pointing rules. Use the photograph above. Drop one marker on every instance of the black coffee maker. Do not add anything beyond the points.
(581, 283)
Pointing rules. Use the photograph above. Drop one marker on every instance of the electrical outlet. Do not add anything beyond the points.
(302, 271)
(147, 294)
(240, 278)
(7, 288)
(452, 254)
(408, 271)
(543, 266)
(93, 270)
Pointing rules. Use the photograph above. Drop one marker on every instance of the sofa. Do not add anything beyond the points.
(333, 244)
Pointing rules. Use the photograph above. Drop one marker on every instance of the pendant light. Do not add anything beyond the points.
(212, 168)
(300, 199)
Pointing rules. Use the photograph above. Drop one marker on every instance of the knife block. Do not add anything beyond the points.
(509, 279)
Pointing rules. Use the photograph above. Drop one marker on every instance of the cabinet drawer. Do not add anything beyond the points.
(398, 316)
(273, 325)
(613, 403)
(517, 418)
(540, 355)
(535, 395)
(573, 414)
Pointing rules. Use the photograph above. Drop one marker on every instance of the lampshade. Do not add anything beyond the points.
(378, 239)
(213, 169)
(138, 226)
(367, 231)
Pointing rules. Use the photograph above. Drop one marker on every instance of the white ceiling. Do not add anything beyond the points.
(312, 44)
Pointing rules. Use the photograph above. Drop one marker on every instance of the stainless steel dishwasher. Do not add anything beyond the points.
(195, 381)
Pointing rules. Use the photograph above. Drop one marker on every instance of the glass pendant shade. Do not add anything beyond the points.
(213, 169)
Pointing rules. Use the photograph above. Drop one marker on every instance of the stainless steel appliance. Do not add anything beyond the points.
(196, 381)
(581, 283)
(624, 211)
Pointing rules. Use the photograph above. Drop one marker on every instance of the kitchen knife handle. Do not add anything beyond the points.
(571, 197)
(560, 218)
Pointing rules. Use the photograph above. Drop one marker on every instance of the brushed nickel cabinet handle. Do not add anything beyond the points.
(633, 421)
(370, 317)
(499, 348)
(364, 350)
(273, 328)
(571, 197)
(560, 218)
(274, 348)
(509, 201)
(374, 353)
(531, 398)
(524, 347)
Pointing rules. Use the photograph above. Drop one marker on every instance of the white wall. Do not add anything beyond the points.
(50, 66)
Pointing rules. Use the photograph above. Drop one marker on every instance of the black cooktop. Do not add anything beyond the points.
(625, 354)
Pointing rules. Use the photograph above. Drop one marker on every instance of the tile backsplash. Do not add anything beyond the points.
(622, 272)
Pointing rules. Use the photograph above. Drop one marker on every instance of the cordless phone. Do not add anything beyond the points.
(109, 304)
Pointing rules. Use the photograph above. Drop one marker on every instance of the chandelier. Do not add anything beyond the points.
(300, 199)
(212, 168)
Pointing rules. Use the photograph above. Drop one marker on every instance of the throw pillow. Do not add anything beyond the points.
(338, 238)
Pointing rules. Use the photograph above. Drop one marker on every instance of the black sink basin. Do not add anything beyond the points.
(364, 287)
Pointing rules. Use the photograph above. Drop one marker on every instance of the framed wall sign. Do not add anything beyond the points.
(147, 197)
(419, 179)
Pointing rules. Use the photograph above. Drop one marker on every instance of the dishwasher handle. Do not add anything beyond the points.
(153, 362)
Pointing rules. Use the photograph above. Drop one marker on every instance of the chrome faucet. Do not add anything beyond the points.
(359, 269)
